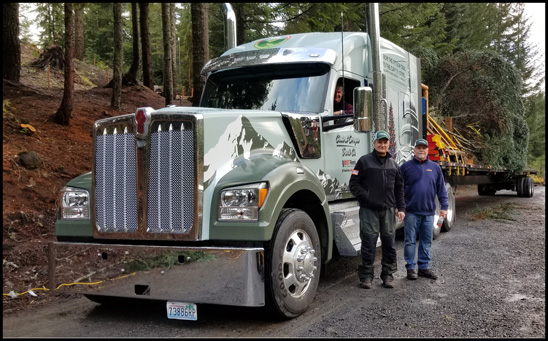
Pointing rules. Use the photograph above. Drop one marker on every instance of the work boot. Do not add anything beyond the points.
(427, 273)
(387, 282)
(366, 283)
(411, 274)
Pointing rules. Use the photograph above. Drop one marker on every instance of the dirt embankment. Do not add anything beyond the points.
(64, 152)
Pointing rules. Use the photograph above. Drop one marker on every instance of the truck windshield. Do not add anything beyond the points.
(281, 87)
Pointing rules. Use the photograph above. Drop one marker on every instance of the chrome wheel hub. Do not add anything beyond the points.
(299, 263)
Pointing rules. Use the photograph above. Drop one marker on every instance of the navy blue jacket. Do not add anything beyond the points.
(377, 183)
(423, 180)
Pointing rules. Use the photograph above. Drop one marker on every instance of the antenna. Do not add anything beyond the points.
(342, 53)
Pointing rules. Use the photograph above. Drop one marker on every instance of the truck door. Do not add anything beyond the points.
(341, 148)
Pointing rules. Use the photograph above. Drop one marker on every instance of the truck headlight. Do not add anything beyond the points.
(73, 203)
(242, 203)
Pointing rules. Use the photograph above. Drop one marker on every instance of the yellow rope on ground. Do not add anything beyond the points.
(31, 291)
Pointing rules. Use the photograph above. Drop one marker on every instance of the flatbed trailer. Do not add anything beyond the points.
(488, 179)
(459, 169)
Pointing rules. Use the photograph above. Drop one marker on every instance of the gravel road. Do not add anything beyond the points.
(491, 269)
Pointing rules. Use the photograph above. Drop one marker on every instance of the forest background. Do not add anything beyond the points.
(448, 37)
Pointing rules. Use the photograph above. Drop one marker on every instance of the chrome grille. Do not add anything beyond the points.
(115, 182)
(171, 178)
(146, 185)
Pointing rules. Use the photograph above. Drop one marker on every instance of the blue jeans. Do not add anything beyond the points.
(424, 226)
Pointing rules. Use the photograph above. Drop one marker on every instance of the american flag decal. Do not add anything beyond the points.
(355, 172)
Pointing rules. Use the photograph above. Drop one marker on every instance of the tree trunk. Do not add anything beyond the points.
(52, 56)
(117, 65)
(62, 116)
(148, 80)
(168, 72)
(11, 49)
(200, 47)
(173, 31)
(130, 78)
(78, 32)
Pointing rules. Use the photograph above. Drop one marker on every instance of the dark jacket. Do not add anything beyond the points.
(347, 107)
(422, 182)
(377, 182)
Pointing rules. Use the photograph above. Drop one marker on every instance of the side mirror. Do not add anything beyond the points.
(363, 109)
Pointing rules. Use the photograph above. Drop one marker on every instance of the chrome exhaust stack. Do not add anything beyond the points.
(229, 26)
(373, 29)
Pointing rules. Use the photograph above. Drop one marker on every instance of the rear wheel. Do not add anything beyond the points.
(293, 264)
(519, 186)
(528, 187)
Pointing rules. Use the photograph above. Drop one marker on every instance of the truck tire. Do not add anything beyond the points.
(519, 187)
(451, 212)
(292, 265)
(528, 187)
(524, 187)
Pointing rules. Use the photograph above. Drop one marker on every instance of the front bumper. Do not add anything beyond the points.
(213, 275)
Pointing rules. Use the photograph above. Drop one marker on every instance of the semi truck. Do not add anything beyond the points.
(244, 199)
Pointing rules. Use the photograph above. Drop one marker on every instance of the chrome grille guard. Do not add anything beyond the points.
(146, 187)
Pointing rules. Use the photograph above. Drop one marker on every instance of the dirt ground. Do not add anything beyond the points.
(29, 195)
(491, 284)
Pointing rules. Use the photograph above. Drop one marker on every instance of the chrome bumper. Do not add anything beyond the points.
(228, 276)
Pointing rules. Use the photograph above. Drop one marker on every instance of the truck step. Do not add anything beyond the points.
(346, 223)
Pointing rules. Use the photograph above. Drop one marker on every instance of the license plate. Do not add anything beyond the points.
(182, 311)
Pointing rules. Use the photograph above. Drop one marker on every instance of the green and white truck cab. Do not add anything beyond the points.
(242, 200)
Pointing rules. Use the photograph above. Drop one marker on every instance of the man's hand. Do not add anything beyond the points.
(443, 213)
(401, 215)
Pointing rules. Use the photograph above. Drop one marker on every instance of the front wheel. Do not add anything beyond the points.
(293, 264)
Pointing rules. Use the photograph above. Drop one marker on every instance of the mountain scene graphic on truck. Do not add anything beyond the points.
(271, 42)
(241, 139)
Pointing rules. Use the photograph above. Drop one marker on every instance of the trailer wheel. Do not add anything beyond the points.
(519, 187)
(525, 187)
(528, 187)
(449, 221)
(292, 264)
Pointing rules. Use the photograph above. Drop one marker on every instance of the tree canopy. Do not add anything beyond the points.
(476, 55)
(481, 91)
